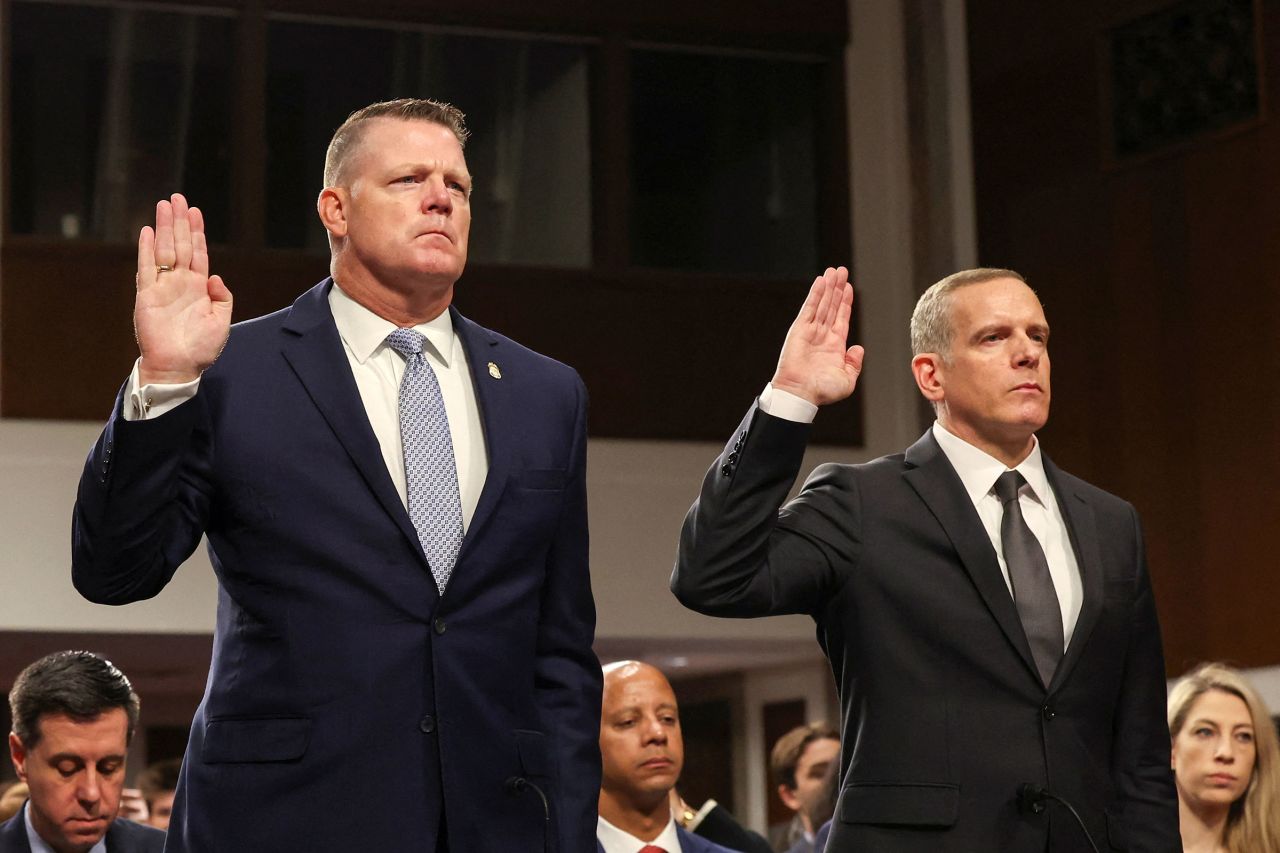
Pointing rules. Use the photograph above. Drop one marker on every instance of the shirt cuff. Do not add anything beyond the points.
(785, 405)
(152, 401)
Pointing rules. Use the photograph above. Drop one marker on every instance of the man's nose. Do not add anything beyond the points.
(655, 732)
(1026, 351)
(89, 789)
(435, 196)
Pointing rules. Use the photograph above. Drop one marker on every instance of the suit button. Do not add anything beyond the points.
(733, 457)
(439, 626)
(726, 470)
(1047, 712)
(427, 724)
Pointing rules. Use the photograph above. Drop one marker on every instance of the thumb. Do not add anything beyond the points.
(853, 358)
(218, 291)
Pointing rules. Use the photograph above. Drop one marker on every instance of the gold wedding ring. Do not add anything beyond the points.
(163, 268)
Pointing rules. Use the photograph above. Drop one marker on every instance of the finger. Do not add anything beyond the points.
(826, 307)
(181, 232)
(810, 307)
(199, 248)
(164, 235)
(146, 257)
(844, 310)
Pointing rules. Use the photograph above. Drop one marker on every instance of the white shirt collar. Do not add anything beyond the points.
(364, 331)
(615, 840)
(38, 845)
(979, 470)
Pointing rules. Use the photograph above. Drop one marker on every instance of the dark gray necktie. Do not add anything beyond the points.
(1033, 591)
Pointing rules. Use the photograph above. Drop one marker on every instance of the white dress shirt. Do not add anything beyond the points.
(978, 471)
(377, 369)
(615, 840)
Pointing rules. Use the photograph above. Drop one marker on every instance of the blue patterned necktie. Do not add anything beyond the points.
(431, 477)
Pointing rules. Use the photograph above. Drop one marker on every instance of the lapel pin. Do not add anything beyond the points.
(494, 371)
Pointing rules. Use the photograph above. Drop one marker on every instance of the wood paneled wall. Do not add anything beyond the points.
(1161, 279)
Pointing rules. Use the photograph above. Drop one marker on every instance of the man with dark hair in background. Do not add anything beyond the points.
(395, 505)
(798, 764)
(158, 783)
(74, 715)
(988, 617)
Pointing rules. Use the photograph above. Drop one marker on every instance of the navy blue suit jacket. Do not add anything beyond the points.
(689, 843)
(349, 705)
(123, 836)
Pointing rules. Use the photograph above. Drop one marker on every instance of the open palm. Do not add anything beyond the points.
(181, 314)
(816, 363)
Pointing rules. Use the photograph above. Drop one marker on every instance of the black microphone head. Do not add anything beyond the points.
(1030, 798)
(515, 784)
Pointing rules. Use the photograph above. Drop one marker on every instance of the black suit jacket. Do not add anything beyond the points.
(123, 836)
(944, 714)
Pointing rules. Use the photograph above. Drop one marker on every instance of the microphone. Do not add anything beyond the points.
(518, 785)
(1031, 800)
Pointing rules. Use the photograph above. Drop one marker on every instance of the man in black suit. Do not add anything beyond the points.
(988, 617)
(73, 717)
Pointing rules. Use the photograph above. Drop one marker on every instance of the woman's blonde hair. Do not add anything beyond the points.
(1253, 824)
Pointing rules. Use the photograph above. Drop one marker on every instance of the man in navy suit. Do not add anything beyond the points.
(643, 753)
(74, 715)
(395, 504)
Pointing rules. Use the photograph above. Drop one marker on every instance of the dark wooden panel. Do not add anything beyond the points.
(664, 355)
(1160, 280)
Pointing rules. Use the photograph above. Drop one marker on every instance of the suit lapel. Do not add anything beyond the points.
(494, 399)
(938, 485)
(1083, 530)
(315, 351)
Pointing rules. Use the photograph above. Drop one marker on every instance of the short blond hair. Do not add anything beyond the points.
(346, 139)
(1253, 823)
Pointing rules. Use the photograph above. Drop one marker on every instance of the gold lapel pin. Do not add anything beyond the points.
(494, 371)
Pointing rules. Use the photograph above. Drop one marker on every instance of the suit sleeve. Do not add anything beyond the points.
(1141, 756)
(740, 554)
(568, 677)
(142, 504)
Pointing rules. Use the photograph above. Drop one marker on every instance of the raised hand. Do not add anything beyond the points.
(181, 315)
(815, 363)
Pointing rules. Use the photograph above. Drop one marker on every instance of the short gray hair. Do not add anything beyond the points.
(931, 324)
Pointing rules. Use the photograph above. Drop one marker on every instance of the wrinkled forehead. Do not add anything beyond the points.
(995, 300)
(641, 688)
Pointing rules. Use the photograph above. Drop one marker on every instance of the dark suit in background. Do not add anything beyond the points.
(123, 836)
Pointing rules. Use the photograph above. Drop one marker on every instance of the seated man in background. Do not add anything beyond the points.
(642, 751)
(799, 764)
(74, 714)
(158, 783)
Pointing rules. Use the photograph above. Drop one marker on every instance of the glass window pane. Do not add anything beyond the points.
(114, 108)
(526, 106)
(723, 163)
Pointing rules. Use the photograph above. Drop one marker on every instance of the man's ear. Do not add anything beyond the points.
(789, 798)
(18, 752)
(332, 207)
(927, 368)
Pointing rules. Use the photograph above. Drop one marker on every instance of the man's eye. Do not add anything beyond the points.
(67, 768)
(107, 768)
(407, 179)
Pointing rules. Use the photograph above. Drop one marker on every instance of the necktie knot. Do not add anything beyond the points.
(407, 342)
(1008, 485)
